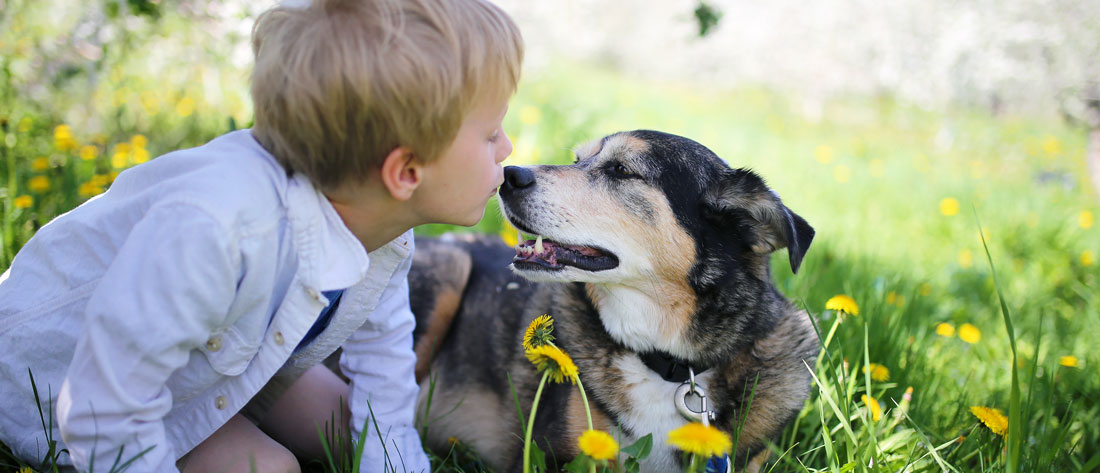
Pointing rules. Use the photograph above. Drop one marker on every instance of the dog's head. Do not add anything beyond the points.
(645, 206)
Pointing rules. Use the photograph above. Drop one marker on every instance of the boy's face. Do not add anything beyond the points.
(458, 184)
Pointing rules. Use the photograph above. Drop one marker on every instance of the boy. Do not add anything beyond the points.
(177, 314)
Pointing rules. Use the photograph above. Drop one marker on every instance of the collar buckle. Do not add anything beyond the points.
(691, 401)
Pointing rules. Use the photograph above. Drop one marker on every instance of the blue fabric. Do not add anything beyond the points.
(323, 319)
(718, 464)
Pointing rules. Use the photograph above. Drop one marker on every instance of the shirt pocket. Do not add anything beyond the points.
(230, 350)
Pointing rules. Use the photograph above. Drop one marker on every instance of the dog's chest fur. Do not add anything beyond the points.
(652, 409)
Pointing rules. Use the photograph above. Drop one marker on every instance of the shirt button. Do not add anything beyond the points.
(220, 402)
(214, 344)
(278, 338)
(313, 293)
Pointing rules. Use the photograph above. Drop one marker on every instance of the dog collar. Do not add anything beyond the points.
(671, 369)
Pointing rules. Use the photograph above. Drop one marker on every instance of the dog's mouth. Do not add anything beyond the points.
(542, 254)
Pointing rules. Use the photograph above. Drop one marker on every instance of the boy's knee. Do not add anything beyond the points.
(278, 460)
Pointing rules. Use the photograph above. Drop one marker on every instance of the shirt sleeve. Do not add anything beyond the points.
(379, 360)
(169, 285)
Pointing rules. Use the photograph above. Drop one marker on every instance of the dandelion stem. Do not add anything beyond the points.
(531, 424)
(832, 331)
(693, 466)
(584, 398)
(588, 414)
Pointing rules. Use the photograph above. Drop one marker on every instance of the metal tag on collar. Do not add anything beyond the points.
(691, 401)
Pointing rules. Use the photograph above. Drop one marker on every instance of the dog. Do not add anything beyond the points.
(652, 256)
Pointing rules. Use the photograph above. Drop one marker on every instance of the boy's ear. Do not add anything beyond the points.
(401, 173)
(742, 203)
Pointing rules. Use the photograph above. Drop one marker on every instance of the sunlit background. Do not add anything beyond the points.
(895, 128)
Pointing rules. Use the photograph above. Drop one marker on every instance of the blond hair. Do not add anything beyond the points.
(339, 84)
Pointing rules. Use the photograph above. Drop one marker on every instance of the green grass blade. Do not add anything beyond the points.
(1015, 435)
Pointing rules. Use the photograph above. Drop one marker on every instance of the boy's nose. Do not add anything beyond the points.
(517, 178)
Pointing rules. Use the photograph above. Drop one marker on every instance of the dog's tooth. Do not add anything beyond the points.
(519, 236)
(538, 244)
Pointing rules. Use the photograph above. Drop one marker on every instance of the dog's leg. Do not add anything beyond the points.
(436, 283)
(757, 462)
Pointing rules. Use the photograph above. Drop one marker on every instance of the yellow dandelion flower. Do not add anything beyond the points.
(949, 206)
(509, 234)
(539, 332)
(140, 155)
(878, 372)
(23, 202)
(63, 137)
(185, 107)
(823, 154)
(100, 180)
(993, 418)
(120, 160)
(966, 258)
(88, 152)
(842, 173)
(138, 141)
(842, 303)
(1087, 258)
(530, 115)
(1052, 146)
(40, 164)
(891, 297)
(38, 184)
(1069, 361)
(25, 124)
(702, 440)
(26, 469)
(598, 444)
(551, 359)
(121, 157)
(969, 333)
(1085, 219)
(872, 404)
(89, 189)
(945, 330)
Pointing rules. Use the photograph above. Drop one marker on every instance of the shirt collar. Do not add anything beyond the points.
(342, 255)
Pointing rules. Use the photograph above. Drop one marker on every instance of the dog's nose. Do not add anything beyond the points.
(516, 178)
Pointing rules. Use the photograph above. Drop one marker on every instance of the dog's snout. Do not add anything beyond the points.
(517, 178)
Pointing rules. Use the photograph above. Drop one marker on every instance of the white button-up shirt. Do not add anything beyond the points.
(153, 313)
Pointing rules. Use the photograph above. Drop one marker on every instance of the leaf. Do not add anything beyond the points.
(538, 458)
(640, 449)
(631, 465)
(578, 465)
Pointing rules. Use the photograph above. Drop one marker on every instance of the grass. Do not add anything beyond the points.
(895, 193)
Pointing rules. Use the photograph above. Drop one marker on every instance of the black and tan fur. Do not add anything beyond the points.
(685, 244)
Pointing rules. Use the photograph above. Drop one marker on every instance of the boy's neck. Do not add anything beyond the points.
(373, 218)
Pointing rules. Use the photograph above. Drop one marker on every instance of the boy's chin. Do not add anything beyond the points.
(465, 220)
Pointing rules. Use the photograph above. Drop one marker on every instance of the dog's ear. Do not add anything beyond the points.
(741, 202)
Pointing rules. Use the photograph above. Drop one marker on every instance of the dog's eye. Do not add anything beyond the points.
(622, 170)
